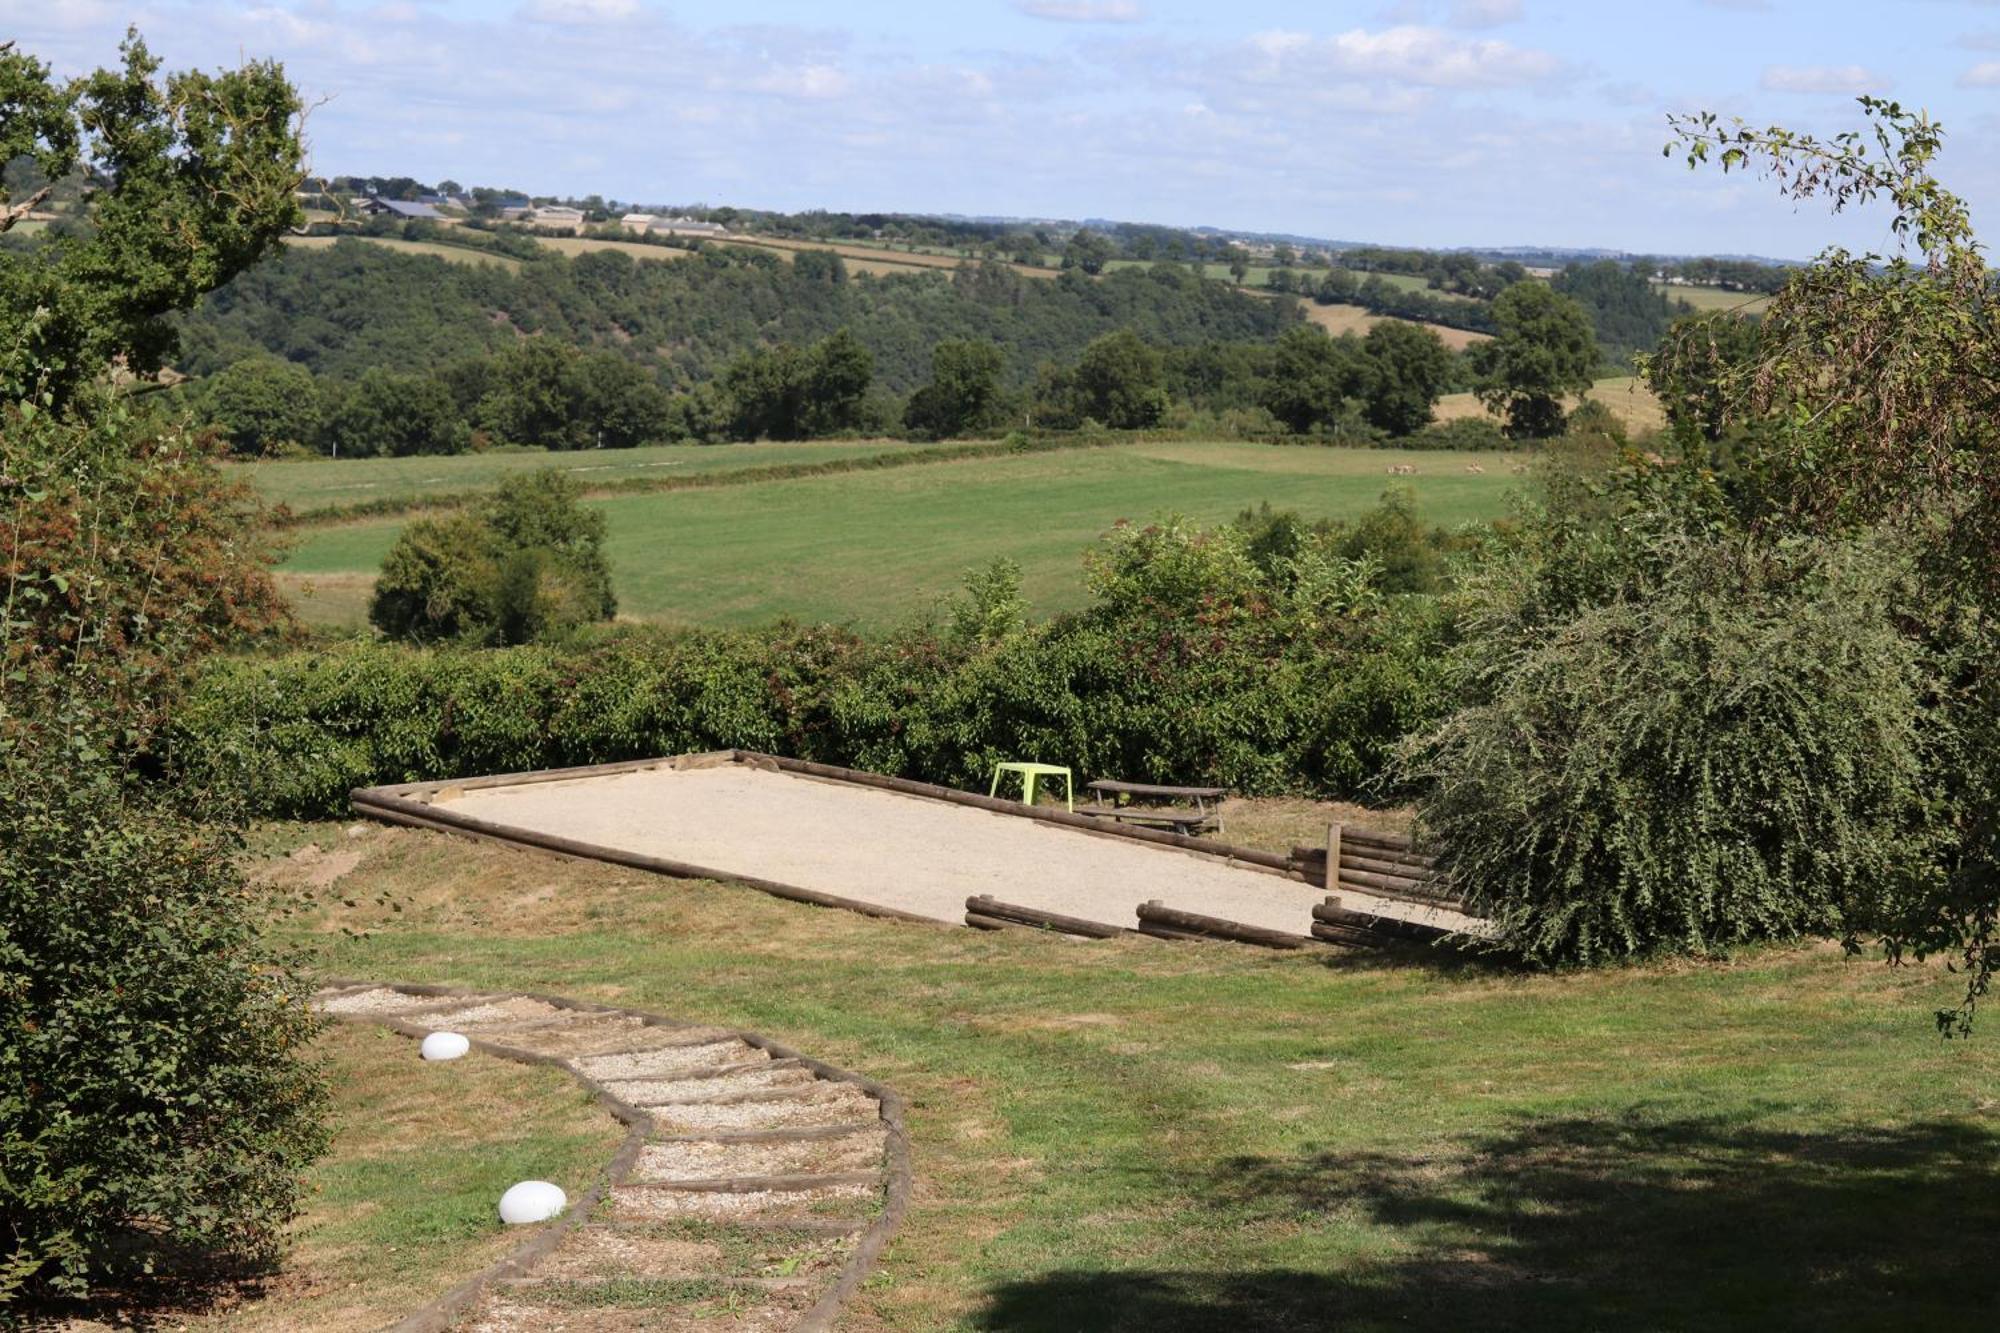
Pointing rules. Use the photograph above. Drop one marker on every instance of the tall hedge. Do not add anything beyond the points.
(1242, 684)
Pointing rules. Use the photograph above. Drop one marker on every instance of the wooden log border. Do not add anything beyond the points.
(984, 908)
(441, 1314)
(1156, 918)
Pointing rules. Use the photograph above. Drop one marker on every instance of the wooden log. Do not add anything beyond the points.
(1326, 932)
(1361, 837)
(1331, 870)
(1014, 914)
(978, 922)
(1413, 867)
(1156, 913)
(1332, 913)
(1155, 930)
(1422, 890)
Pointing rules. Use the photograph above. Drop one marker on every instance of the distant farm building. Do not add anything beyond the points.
(639, 223)
(401, 208)
(686, 227)
(556, 216)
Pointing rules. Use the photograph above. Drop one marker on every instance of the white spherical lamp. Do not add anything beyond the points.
(444, 1046)
(532, 1201)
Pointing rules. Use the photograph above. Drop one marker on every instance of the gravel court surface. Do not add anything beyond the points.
(921, 856)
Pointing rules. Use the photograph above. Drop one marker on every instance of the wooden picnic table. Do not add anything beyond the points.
(1181, 819)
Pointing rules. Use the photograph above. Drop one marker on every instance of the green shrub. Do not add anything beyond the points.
(1736, 750)
(155, 1098)
(526, 564)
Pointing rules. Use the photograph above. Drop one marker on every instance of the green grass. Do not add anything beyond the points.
(313, 484)
(405, 1204)
(1716, 298)
(1133, 1135)
(873, 547)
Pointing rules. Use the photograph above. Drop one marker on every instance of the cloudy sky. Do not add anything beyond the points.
(1421, 122)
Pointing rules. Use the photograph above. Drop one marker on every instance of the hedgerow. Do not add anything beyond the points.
(1194, 665)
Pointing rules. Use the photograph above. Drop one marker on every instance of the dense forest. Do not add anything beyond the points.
(353, 307)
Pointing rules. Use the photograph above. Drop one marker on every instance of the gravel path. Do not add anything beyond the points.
(716, 1217)
(906, 852)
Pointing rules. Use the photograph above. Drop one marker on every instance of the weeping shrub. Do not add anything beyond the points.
(1734, 751)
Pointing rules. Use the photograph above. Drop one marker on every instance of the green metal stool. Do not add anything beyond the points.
(1031, 774)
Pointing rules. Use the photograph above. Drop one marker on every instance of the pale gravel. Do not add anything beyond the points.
(602, 1035)
(382, 1000)
(652, 1205)
(907, 852)
(497, 1012)
(650, 1091)
(716, 1161)
(670, 1060)
(791, 1113)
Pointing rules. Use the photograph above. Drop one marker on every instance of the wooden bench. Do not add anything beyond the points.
(1191, 820)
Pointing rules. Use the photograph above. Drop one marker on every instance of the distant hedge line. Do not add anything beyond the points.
(1259, 712)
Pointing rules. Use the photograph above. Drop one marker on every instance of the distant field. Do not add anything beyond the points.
(872, 548)
(1339, 319)
(307, 485)
(1716, 298)
(457, 254)
(879, 259)
(578, 245)
(1625, 395)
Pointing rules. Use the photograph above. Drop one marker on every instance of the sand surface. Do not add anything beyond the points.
(907, 852)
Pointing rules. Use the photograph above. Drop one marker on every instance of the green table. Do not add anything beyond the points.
(1030, 774)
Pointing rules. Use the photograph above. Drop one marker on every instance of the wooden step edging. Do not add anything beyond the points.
(441, 1314)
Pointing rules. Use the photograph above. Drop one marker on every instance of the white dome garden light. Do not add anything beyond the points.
(444, 1046)
(532, 1201)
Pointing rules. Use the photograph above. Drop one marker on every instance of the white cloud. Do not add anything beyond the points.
(1485, 13)
(1082, 11)
(1426, 57)
(1985, 74)
(579, 12)
(1829, 79)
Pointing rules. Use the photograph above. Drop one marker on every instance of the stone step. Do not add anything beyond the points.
(812, 1108)
(652, 1202)
(771, 1077)
(696, 1159)
(678, 1061)
(796, 1182)
(783, 1134)
(692, 1248)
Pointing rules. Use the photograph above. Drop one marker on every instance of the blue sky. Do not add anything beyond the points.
(1420, 122)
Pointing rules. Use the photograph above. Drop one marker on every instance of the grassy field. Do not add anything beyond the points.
(1716, 298)
(874, 547)
(404, 1206)
(1339, 319)
(457, 254)
(580, 245)
(312, 484)
(1625, 395)
(1136, 1135)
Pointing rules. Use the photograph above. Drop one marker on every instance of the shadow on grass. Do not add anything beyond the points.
(1631, 1224)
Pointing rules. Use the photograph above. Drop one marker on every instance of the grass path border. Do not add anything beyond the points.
(442, 1313)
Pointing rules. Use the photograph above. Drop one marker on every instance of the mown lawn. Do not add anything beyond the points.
(875, 547)
(1136, 1135)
